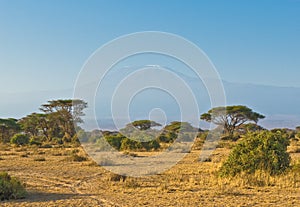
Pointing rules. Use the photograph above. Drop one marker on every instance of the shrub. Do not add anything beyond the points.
(114, 140)
(128, 144)
(154, 144)
(10, 187)
(264, 151)
(19, 139)
(286, 133)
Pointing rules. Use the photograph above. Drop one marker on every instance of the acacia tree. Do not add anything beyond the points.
(37, 124)
(31, 124)
(64, 114)
(174, 129)
(177, 126)
(144, 124)
(231, 117)
(8, 127)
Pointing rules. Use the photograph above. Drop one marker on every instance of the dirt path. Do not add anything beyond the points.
(67, 186)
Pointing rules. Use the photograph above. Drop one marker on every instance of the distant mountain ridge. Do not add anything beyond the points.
(279, 104)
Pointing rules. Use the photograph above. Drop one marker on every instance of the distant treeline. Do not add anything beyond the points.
(58, 123)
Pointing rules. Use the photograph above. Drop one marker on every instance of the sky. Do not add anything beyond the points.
(44, 44)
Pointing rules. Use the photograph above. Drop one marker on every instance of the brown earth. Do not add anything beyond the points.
(59, 181)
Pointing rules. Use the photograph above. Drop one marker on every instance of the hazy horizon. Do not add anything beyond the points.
(254, 46)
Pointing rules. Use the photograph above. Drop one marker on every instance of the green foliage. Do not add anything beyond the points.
(250, 127)
(20, 139)
(115, 140)
(154, 144)
(172, 131)
(62, 117)
(177, 126)
(10, 187)
(129, 144)
(144, 124)
(286, 133)
(121, 143)
(8, 128)
(34, 123)
(231, 117)
(261, 151)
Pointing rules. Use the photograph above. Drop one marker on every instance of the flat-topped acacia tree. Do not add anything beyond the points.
(144, 124)
(231, 117)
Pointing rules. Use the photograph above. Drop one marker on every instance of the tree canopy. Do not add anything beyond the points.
(231, 117)
(144, 124)
(58, 120)
(63, 115)
(8, 127)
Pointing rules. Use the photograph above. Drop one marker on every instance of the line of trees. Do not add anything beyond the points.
(57, 121)
(260, 149)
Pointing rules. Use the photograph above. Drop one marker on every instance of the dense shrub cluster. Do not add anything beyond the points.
(264, 151)
(20, 139)
(122, 143)
(10, 187)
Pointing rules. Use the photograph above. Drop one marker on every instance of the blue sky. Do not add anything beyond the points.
(43, 44)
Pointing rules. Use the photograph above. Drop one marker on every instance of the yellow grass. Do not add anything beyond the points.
(60, 181)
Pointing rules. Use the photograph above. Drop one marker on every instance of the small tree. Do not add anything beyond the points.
(258, 151)
(10, 187)
(231, 117)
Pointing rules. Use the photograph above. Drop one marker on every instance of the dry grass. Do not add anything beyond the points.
(59, 182)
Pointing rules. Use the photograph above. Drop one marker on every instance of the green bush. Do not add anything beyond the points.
(10, 187)
(129, 144)
(115, 140)
(19, 139)
(264, 151)
(167, 136)
(154, 144)
(122, 143)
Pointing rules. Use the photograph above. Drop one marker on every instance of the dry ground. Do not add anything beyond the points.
(58, 181)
